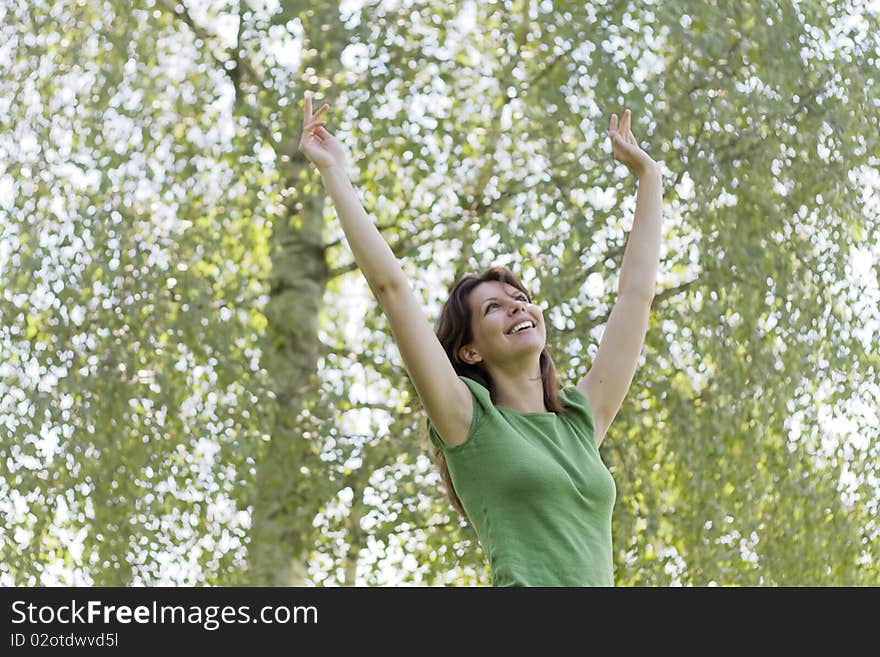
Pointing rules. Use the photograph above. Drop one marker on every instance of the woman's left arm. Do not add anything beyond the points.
(614, 366)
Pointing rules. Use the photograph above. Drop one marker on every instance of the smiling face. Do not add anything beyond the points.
(499, 315)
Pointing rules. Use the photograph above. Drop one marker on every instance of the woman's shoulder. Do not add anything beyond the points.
(476, 387)
(481, 407)
(577, 405)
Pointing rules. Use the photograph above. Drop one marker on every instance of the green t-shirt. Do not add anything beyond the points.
(536, 491)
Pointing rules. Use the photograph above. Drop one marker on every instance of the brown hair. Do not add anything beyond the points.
(453, 330)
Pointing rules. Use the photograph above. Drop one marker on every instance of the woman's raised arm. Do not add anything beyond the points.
(446, 398)
(615, 363)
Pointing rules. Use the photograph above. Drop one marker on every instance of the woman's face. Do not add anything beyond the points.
(497, 310)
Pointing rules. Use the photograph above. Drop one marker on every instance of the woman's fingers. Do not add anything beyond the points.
(308, 115)
(621, 134)
(622, 130)
(625, 129)
(323, 109)
(317, 130)
(309, 126)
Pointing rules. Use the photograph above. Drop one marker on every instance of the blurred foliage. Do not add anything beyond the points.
(196, 386)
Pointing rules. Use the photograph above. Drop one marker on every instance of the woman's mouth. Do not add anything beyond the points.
(521, 327)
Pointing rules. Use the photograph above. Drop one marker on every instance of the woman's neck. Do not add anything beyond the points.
(521, 390)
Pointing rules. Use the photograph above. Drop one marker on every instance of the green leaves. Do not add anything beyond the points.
(193, 392)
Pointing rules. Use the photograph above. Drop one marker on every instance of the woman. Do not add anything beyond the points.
(519, 456)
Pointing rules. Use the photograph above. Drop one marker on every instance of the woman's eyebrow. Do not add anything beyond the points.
(515, 294)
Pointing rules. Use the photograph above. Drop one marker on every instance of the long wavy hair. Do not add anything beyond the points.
(454, 330)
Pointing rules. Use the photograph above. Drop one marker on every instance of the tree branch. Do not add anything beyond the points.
(603, 319)
(379, 227)
(231, 55)
(549, 67)
(182, 13)
(401, 249)
(376, 406)
(339, 271)
(673, 291)
(386, 367)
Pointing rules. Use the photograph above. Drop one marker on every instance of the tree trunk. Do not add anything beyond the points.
(282, 519)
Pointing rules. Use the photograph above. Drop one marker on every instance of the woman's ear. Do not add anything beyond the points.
(469, 355)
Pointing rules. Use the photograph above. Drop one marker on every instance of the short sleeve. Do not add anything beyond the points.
(580, 413)
(482, 406)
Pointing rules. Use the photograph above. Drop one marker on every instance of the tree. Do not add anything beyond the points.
(197, 386)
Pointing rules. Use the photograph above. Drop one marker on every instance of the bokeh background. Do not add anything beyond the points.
(197, 387)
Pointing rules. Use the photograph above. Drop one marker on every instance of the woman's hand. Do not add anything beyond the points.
(626, 149)
(318, 145)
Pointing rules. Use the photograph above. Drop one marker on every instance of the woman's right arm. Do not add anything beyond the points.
(446, 399)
